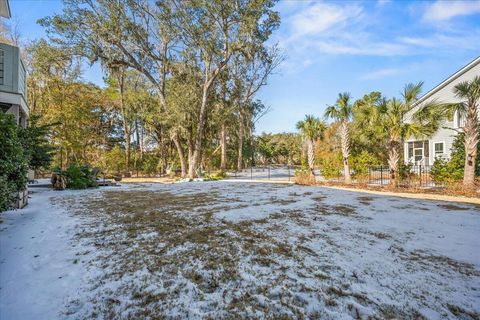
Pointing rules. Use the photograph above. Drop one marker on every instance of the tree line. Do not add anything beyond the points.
(374, 128)
(181, 80)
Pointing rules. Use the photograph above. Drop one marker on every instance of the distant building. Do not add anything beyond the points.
(424, 152)
(13, 85)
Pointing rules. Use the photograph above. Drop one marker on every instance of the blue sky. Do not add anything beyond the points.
(337, 46)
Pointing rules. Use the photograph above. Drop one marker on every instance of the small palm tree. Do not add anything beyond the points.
(397, 119)
(311, 129)
(469, 92)
(342, 112)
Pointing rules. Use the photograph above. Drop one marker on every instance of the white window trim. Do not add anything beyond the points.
(435, 154)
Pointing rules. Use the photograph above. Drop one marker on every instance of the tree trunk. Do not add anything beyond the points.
(393, 160)
(163, 150)
(139, 138)
(195, 161)
(311, 156)
(345, 144)
(120, 74)
(471, 142)
(127, 147)
(181, 156)
(126, 126)
(240, 146)
(190, 146)
(223, 146)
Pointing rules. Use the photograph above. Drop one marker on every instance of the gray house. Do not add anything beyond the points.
(424, 152)
(13, 85)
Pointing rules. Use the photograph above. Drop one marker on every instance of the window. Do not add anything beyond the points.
(417, 150)
(418, 155)
(439, 148)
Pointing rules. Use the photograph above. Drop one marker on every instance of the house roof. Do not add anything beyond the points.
(445, 82)
(5, 9)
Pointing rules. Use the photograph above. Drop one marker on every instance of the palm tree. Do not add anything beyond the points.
(398, 119)
(342, 112)
(311, 129)
(469, 92)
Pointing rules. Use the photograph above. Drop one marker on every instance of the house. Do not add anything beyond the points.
(425, 151)
(13, 85)
(5, 9)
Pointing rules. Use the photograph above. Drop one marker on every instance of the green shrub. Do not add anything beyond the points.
(361, 162)
(404, 170)
(149, 164)
(218, 175)
(452, 170)
(446, 171)
(78, 177)
(36, 144)
(115, 160)
(330, 168)
(13, 161)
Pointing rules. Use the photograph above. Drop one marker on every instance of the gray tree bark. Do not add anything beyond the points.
(471, 142)
(178, 145)
(223, 147)
(345, 145)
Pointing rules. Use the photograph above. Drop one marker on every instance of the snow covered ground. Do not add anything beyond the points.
(237, 250)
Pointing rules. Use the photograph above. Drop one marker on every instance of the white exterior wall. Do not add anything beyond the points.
(443, 93)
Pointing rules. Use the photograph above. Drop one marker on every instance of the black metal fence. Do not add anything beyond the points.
(410, 176)
(276, 172)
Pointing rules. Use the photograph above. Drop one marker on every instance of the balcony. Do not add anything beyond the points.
(12, 82)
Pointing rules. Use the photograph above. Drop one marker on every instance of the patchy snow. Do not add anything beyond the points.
(39, 268)
(242, 250)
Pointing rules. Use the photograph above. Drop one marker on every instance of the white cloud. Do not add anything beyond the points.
(322, 17)
(381, 3)
(362, 48)
(335, 29)
(468, 41)
(320, 29)
(380, 74)
(445, 10)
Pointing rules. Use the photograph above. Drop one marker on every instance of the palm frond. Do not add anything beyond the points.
(411, 93)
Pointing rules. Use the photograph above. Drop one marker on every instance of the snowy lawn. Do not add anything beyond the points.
(237, 250)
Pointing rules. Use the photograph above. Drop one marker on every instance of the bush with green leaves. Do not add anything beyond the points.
(405, 170)
(115, 160)
(361, 162)
(78, 177)
(330, 168)
(13, 161)
(150, 163)
(452, 170)
(36, 145)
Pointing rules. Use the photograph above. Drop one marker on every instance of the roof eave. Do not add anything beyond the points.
(5, 9)
(445, 82)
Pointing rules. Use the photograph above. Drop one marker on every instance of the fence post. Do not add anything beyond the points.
(251, 172)
(381, 175)
(420, 174)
